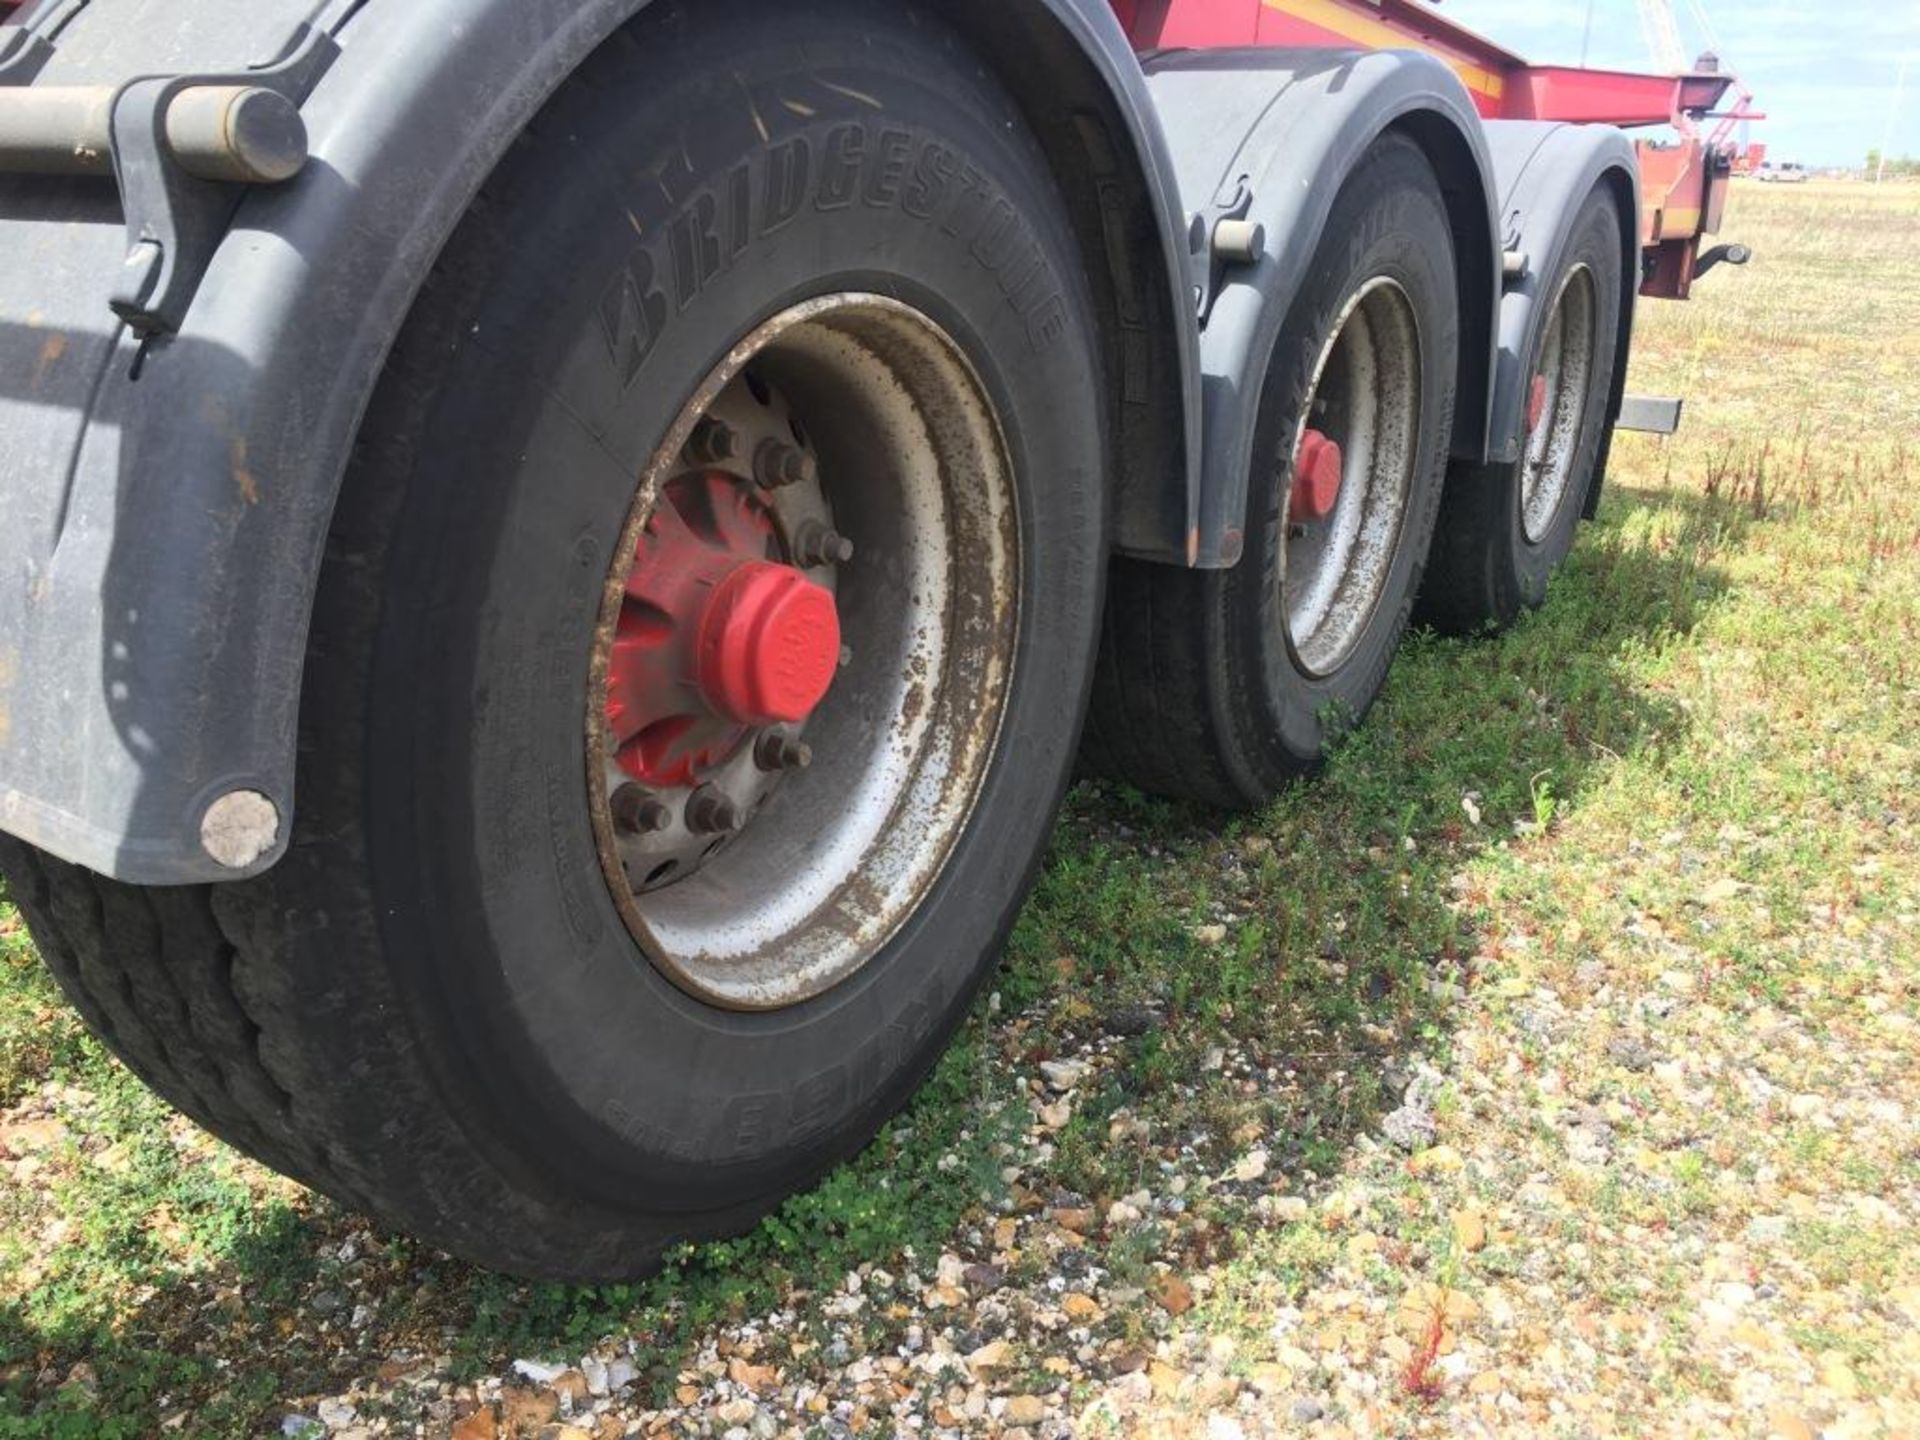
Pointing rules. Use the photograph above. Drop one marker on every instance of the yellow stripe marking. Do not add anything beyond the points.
(1378, 35)
(1678, 223)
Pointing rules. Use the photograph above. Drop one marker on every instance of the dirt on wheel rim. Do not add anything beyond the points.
(845, 456)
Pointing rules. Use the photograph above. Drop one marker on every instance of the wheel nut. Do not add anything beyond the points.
(777, 750)
(776, 464)
(712, 442)
(638, 811)
(711, 811)
(815, 544)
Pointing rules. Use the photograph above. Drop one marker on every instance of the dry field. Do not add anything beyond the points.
(1550, 1067)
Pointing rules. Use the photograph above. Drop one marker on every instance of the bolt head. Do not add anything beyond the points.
(776, 464)
(638, 811)
(711, 811)
(815, 544)
(713, 440)
(776, 750)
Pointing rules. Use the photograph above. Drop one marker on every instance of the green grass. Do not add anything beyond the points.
(1697, 758)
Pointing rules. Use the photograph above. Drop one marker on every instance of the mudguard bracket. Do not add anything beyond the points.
(1212, 259)
(175, 220)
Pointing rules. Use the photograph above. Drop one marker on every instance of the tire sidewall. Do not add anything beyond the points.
(587, 1074)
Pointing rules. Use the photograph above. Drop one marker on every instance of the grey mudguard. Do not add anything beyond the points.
(166, 504)
(1290, 125)
(1545, 172)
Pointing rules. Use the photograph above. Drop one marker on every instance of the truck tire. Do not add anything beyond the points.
(1220, 686)
(744, 422)
(1504, 529)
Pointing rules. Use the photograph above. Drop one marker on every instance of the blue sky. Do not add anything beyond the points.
(1823, 70)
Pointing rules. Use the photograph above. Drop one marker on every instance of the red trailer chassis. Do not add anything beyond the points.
(1683, 183)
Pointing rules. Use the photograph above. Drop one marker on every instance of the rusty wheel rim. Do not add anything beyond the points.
(1349, 475)
(804, 653)
(1557, 404)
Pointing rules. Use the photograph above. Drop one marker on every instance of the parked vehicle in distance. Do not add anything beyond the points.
(559, 553)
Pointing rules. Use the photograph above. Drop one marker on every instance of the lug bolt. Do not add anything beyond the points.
(777, 750)
(638, 811)
(712, 441)
(711, 811)
(815, 544)
(776, 464)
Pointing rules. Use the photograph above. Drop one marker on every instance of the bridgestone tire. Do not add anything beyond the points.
(1200, 693)
(1485, 570)
(431, 1009)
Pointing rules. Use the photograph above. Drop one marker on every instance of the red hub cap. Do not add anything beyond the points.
(1317, 468)
(716, 636)
(769, 644)
(1536, 403)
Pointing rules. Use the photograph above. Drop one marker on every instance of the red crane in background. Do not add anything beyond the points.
(1662, 30)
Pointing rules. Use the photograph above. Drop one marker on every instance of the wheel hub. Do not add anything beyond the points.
(716, 637)
(1317, 468)
(769, 641)
(1536, 403)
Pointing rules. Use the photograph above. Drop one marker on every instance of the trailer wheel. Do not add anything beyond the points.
(697, 664)
(1219, 686)
(1504, 529)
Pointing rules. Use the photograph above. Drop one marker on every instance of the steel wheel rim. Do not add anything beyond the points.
(1558, 404)
(829, 860)
(1365, 399)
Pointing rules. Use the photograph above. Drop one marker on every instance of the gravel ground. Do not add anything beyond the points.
(1603, 1216)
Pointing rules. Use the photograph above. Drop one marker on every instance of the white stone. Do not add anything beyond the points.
(335, 1414)
(1063, 1074)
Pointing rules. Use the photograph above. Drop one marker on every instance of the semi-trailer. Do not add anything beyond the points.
(559, 555)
